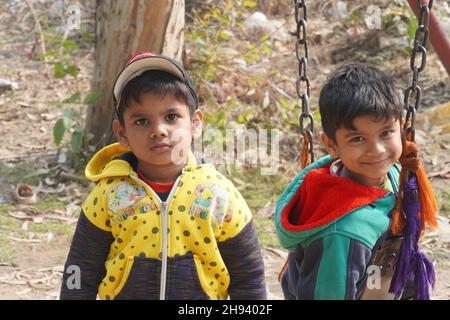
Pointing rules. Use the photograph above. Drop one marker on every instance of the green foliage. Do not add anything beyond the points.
(214, 44)
(21, 172)
(220, 52)
(267, 235)
(73, 98)
(62, 47)
(71, 120)
(443, 200)
(92, 97)
(399, 20)
(58, 131)
(260, 191)
(356, 17)
(411, 22)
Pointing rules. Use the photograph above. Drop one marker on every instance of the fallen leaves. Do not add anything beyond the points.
(24, 240)
(38, 217)
(444, 173)
(267, 211)
(44, 280)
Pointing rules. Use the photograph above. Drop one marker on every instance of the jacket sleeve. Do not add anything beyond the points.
(333, 268)
(243, 258)
(240, 250)
(85, 265)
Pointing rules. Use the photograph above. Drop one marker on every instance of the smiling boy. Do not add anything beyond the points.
(158, 225)
(335, 215)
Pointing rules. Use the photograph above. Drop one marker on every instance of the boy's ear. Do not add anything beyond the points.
(119, 132)
(329, 145)
(197, 123)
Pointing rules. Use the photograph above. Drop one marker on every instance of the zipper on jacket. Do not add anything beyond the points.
(164, 205)
(162, 283)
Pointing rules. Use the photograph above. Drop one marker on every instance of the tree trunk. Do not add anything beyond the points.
(124, 28)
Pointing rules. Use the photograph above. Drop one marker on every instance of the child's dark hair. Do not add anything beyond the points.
(357, 90)
(156, 82)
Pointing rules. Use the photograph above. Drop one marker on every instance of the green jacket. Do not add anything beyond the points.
(330, 225)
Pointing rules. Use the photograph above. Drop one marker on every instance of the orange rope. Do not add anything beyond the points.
(411, 161)
(305, 155)
(283, 269)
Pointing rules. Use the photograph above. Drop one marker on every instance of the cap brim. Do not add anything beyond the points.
(137, 67)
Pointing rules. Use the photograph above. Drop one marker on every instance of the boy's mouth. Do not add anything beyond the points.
(160, 147)
(377, 163)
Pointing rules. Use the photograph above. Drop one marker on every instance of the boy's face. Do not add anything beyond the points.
(368, 152)
(158, 130)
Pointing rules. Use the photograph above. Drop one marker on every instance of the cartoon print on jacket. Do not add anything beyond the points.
(211, 198)
(124, 195)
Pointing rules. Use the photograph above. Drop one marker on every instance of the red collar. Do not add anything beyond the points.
(157, 187)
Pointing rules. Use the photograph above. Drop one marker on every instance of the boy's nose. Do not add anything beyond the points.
(159, 130)
(377, 148)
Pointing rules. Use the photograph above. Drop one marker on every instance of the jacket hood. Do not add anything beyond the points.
(315, 199)
(106, 163)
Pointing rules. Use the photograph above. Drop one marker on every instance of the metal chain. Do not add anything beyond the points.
(301, 44)
(419, 47)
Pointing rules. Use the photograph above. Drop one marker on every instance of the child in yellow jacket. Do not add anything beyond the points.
(158, 225)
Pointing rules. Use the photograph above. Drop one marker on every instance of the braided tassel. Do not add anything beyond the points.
(412, 262)
(410, 161)
(415, 209)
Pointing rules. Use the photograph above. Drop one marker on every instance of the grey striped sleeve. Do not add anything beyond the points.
(243, 258)
(358, 260)
(88, 252)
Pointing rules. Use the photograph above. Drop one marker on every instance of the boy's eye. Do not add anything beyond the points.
(387, 133)
(172, 117)
(356, 139)
(142, 122)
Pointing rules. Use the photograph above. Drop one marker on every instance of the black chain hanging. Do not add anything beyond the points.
(301, 44)
(419, 47)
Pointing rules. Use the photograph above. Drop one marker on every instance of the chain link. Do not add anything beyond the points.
(419, 47)
(301, 51)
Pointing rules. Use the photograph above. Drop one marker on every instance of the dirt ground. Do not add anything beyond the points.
(34, 239)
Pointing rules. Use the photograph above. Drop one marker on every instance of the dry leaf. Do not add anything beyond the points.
(442, 173)
(25, 240)
(266, 212)
(50, 237)
(38, 220)
(25, 226)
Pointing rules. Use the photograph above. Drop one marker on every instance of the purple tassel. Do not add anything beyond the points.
(412, 263)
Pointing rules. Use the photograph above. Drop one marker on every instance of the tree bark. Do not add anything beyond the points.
(124, 28)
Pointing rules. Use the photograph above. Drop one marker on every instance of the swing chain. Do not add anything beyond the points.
(419, 47)
(301, 44)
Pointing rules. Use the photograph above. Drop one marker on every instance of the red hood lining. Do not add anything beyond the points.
(323, 198)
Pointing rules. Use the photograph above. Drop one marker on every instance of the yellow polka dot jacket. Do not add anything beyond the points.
(199, 243)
